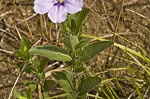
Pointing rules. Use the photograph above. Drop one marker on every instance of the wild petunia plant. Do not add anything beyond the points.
(77, 51)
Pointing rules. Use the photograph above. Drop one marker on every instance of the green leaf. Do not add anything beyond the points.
(17, 94)
(30, 84)
(71, 41)
(29, 69)
(20, 65)
(46, 95)
(25, 45)
(63, 81)
(48, 84)
(73, 25)
(93, 49)
(23, 55)
(80, 19)
(42, 75)
(82, 44)
(29, 93)
(124, 48)
(18, 53)
(79, 80)
(25, 67)
(36, 64)
(51, 52)
(43, 64)
(88, 84)
(81, 69)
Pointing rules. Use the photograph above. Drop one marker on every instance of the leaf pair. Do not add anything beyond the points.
(85, 86)
(55, 53)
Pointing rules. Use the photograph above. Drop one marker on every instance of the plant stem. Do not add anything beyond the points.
(39, 91)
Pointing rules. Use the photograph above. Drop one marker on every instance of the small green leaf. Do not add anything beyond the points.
(25, 45)
(20, 65)
(17, 94)
(46, 95)
(81, 69)
(41, 75)
(43, 64)
(18, 53)
(29, 69)
(88, 84)
(80, 19)
(36, 63)
(73, 25)
(79, 80)
(29, 93)
(71, 41)
(93, 49)
(51, 52)
(23, 55)
(48, 84)
(63, 81)
(30, 84)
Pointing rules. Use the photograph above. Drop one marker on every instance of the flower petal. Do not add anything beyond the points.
(78, 3)
(73, 6)
(43, 6)
(57, 13)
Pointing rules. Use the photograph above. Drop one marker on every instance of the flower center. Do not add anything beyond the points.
(59, 3)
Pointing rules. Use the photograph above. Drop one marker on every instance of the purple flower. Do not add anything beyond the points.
(57, 9)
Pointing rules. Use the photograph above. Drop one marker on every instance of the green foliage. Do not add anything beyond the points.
(88, 84)
(25, 67)
(63, 81)
(71, 41)
(29, 93)
(31, 84)
(52, 52)
(20, 65)
(80, 70)
(29, 69)
(24, 48)
(24, 45)
(74, 24)
(93, 49)
(18, 95)
(43, 64)
(83, 43)
(79, 18)
(48, 84)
